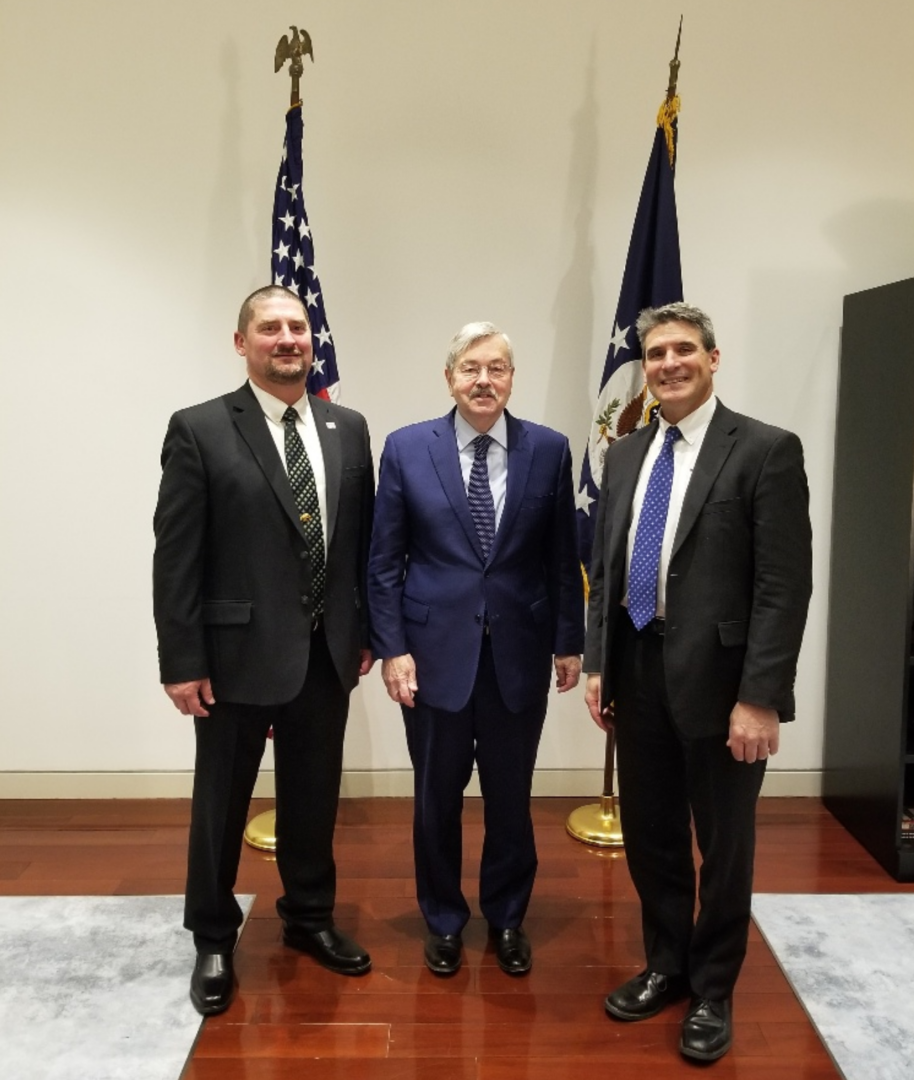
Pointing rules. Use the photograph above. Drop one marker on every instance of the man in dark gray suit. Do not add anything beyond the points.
(262, 530)
(700, 583)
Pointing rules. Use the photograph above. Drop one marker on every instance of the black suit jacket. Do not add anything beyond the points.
(740, 573)
(231, 572)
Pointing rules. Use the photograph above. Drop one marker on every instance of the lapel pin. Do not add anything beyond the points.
(331, 423)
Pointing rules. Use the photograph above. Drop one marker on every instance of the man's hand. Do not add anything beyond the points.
(567, 672)
(366, 662)
(754, 732)
(399, 675)
(592, 694)
(191, 698)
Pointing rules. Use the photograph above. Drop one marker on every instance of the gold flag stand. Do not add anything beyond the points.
(261, 830)
(599, 823)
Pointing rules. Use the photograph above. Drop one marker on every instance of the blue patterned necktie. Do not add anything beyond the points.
(304, 488)
(645, 564)
(482, 505)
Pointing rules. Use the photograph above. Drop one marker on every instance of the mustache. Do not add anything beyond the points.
(481, 392)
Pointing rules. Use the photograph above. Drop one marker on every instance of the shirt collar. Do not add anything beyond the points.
(273, 408)
(693, 425)
(466, 433)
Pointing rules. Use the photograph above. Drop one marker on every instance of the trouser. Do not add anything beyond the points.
(308, 737)
(666, 782)
(443, 746)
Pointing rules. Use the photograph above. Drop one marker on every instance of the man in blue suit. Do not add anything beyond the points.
(474, 586)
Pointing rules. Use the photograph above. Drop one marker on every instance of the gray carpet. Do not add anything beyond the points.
(850, 960)
(95, 987)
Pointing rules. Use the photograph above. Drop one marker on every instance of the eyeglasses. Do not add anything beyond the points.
(471, 372)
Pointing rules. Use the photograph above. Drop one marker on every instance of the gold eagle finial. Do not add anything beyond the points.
(294, 50)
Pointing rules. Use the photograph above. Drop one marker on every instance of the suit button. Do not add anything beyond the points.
(478, 618)
(306, 599)
(303, 554)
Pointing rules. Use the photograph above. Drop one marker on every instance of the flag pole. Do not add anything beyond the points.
(261, 829)
(644, 285)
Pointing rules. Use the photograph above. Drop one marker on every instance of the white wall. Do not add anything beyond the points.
(464, 159)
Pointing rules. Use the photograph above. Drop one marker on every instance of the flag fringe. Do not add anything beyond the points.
(666, 117)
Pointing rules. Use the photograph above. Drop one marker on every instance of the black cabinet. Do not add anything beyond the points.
(869, 719)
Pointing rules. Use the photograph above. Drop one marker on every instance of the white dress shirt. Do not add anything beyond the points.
(273, 411)
(693, 429)
(496, 458)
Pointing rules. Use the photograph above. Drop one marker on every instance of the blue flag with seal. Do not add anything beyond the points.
(292, 263)
(652, 276)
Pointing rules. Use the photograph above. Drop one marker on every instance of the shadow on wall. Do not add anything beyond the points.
(876, 240)
(569, 406)
(226, 244)
(788, 372)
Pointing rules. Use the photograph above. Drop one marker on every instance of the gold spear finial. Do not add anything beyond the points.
(669, 109)
(294, 50)
(674, 66)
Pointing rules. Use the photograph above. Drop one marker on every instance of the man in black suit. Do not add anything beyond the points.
(262, 530)
(700, 584)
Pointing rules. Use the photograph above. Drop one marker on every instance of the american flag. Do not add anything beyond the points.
(292, 262)
(653, 276)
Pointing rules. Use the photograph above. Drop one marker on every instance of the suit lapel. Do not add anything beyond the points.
(333, 459)
(718, 442)
(520, 460)
(443, 452)
(249, 420)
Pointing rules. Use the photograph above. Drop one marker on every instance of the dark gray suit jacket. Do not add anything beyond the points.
(740, 573)
(231, 572)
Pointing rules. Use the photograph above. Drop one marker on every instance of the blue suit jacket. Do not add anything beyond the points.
(430, 591)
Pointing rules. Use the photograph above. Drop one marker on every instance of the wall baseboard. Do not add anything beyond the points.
(390, 783)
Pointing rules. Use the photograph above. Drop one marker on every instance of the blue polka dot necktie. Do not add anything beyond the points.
(304, 488)
(482, 505)
(645, 564)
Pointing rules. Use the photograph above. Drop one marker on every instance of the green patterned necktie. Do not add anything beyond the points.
(301, 477)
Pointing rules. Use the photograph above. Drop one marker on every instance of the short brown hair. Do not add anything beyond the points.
(246, 312)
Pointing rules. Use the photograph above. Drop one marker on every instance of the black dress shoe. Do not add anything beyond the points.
(512, 950)
(442, 953)
(645, 995)
(329, 947)
(707, 1030)
(212, 984)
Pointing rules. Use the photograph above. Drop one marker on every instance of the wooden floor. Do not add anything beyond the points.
(293, 1019)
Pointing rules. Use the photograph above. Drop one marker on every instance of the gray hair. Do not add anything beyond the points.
(651, 318)
(466, 338)
(267, 292)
